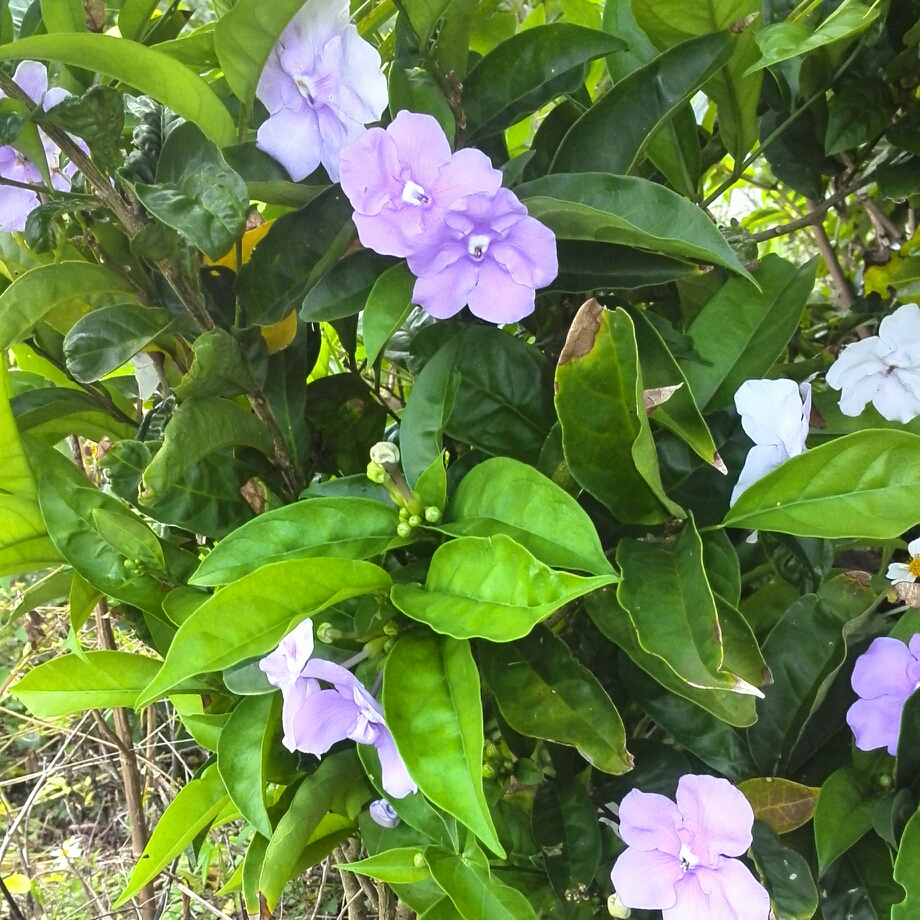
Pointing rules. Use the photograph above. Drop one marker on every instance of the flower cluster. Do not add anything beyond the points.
(467, 240)
(682, 858)
(314, 719)
(883, 678)
(17, 203)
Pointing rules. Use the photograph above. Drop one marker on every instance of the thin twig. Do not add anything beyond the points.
(825, 247)
(210, 908)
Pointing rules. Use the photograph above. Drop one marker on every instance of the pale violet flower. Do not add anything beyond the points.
(384, 814)
(775, 415)
(487, 253)
(883, 678)
(681, 858)
(909, 571)
(322, 84)
(883, 369)
(284, 669)
(17, 203)
(400, 181)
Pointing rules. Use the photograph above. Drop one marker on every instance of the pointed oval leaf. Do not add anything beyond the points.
(781, 803)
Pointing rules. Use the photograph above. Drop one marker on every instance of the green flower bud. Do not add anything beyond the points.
(391, 628)
(376, 473)
(404, 514)
(404, 530)
(492, 752)
(488, 771)
(129, 565)
(415, 521)
(432, 514)
(385, 452)
(885, 780)
(419, 861)
(616, 908)
(327, 634)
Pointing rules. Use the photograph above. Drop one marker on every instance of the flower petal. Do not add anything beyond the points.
(717, 815)
(293, 139)
(733, 892)
(897, 330)
(882, 670)
(497, 297)
(861, 359)
(423, 147)
(324, 719)
(895, 401)
(761, 459)
(445, 294)
(646, 879)
(395, 777)
(899, 572)
(32, 78)
(294, 695)
(363, 91)
(528, 252)
(876, 723)
(469, 172)
(16, 204)
(369, 170)
(341, 678)
(772, 413)
(649, 821)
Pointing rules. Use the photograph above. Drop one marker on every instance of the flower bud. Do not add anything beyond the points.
(616, 908)
(383, 813)
(384, 452)
(432, 514)
(388, 645)
(404, 514)
(376, 473)
(129, 565)
(419, 861)
(327, 634)
(488, 771)
(404, 530)
(492, 752)
(391, 628)
(415, 521)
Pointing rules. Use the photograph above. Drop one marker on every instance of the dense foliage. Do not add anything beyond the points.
(649, 530)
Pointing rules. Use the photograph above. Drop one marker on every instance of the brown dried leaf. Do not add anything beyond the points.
(908, 593)
(254, 493)
(781, 803)
(582, 332)
(653, 398)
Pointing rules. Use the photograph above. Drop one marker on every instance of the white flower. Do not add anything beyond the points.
(883, 369)
(899, 572)
(775, 415)
(69, 850)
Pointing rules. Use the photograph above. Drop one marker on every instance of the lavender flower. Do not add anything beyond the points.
(17, 203)
(909, 571)
(679, 857)
(321, 85)
(884, 677)
(487, 253)
(400, 181)
(775, 415)
(384, 814)
(883, 369)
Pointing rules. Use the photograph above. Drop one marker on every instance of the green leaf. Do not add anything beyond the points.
(98, 116)
(586, 266)
(321, 792)
(784, 40)
(146, 69)
(399, 866)
(866, 484)
(345, 288)
(610, 452)
(340, 527)
(526, 71)
(192, 810)
(16, 476)
(722, 566)
(473, 891)
(859, 110)
(907, 765)
(843, 814)
(129, 536)
(243, 750)
(544, 692)
(292, 256)
(786, 875)
(416, 90)
(105, 339)
(506, 496)
(251, 616)
(860, 885)
(742, 331)
(197, 193)
(53, 587)
(74, 683)
(617, 130)
(245, 36)
(440, 671)
(489, 587)
(388, 305)
(679, 412)
(220, 368)
(627, 210)
(53, 413)
(200, 427)
(134, 16)
(63, 15)
(907, 871)
(37, 292)
(780, 803)
(669, 22)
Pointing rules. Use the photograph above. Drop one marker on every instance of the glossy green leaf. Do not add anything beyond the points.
(37, 292)
(134, 16)
(386, 309)
(345, 288)
(907, 871)
(292, 256)
(669, 22)
(98, 116)
(73, 683)
(200, 427)
(416, 90)
(615, 132)
(528, 70)
(861, 109)
(506, 496)
(16, 476)
(843, 814)
(907, 765)
(474, 892)
(252, 872)
(53, 413)
(489, 587)
(399, 866)
(860, 885)
(242, 751)
(341, 527)
(130, 536)
(610, 452)
(543, 692)
(440, 671)
(784, 40)
(146, 69)
(220, 368)
(193, 809)
(742, 331)
(627, 210)
(63, 15)
(588, 266)
(104, 340)
(865, 484)
(251, 616)
(786, 875)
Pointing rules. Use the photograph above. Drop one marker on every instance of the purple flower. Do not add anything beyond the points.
(384, 814)
(17, 203)
(679, 857)
(321, 85)
(884, 677)
(487, 253)
(400, 181)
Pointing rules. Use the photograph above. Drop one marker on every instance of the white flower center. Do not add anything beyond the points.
(414, 194)
(478, 245)
(688, 859)
(306, 90)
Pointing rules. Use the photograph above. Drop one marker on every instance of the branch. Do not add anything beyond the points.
(844, 291)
